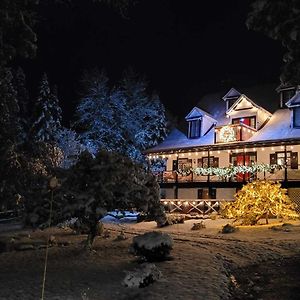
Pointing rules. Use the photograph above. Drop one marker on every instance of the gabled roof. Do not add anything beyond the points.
(232, 93)
(196, 112)
(294, 101)
(241, 98)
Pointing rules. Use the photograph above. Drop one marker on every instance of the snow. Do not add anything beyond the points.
(278, 128)
(201, 268)
(294, 101)
(153, 239)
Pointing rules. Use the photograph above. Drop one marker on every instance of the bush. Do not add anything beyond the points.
(153, 246)
(260, 199)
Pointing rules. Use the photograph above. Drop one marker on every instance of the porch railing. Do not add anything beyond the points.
(190, 206)
(278, 175)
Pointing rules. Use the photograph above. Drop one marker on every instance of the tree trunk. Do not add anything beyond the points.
(267, 218)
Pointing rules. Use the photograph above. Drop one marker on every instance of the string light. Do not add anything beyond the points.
(272, 148)
(219, 151)
(190, 154)
(262, 149)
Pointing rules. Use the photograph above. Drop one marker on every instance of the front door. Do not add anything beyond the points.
(243, 159)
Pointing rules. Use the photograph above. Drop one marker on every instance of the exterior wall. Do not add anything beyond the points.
(244, 110)
(207, 122)
(223, 193)
(187, 193)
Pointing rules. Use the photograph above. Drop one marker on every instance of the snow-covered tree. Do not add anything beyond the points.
(125, 119)
(109, 181)
(145, 115)
(46, 114)
(9, 110)
(260, 199)
(70, 145)
(94, 113)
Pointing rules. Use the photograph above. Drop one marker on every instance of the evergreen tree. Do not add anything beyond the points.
(46, 114)
(145, 115)
(9, 110)
(23, 101)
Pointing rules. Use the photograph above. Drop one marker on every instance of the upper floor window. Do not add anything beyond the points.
(249, 121)
(194, 128)
(296, 117)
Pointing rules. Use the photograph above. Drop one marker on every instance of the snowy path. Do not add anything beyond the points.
(201, 268)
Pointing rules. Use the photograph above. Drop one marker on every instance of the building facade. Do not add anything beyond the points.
(230, 140)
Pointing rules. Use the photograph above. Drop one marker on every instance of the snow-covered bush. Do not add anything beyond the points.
(153, 246)
(143, 276)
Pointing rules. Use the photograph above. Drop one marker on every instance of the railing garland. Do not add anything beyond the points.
(230, 171)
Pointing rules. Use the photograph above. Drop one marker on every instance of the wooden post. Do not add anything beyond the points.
(208, 163)
(285, 165)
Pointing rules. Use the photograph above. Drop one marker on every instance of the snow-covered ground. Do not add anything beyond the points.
(202, 265)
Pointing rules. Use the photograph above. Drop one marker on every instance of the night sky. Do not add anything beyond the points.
(185, 48)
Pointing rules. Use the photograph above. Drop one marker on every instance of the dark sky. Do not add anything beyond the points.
(185, 48)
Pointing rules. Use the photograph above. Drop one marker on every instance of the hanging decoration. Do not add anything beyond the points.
(227, 134)
(230, 171)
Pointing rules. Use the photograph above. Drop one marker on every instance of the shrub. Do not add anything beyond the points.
(260, 199)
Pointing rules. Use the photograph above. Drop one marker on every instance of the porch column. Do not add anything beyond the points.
(208, 163)
(285, 165)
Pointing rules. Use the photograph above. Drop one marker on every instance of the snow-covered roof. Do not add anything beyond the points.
(278, 128)
(294, 101)
(196, 112)
(233, 93)
(177, 140)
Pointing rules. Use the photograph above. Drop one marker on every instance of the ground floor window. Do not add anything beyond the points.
(279, 159)
(205, 163)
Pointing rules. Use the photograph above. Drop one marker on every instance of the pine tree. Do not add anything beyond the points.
(47, 114)
(23, 102)
(9, 110)
(260, 199)
(145, 115)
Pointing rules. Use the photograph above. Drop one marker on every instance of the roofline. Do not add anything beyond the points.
(251, 101)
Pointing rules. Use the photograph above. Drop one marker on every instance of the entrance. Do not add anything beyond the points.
(243, 159)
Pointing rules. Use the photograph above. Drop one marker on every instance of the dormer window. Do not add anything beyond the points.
(194, 128)
(231, 97)
(296, 117)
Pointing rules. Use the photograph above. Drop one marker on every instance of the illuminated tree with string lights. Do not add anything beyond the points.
(260, 199)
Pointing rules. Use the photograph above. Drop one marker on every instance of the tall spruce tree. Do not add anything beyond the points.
(46, 114)
(145, 115)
